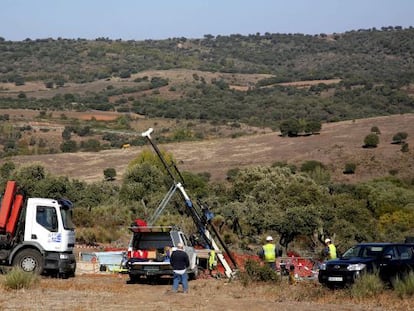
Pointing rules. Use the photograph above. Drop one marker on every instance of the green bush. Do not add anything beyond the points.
(404, 147)
(290, 128)
(18, 279)
(98, 234)
(371, 141)
(92, 145)
(69, 146)
(368, 285)
(375, 130)
(89, 236)
(399, 138)
(292, 167)
(313, 127)
(404, 287)
(49, 84)
(232, 173)
(349, 168)
(311, 165)
(109, 173)
(255, 272)
(393, 172)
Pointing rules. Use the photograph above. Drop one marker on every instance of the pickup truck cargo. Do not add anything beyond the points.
(150, 249)
(388, 259)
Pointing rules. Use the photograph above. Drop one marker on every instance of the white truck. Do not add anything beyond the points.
(149, 251)
(36, 234)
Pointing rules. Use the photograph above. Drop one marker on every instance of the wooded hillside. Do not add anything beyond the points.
(356, 74)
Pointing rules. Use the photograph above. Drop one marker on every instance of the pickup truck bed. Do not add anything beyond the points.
(149, 252)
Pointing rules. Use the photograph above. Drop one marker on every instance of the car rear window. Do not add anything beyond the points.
(152, 240)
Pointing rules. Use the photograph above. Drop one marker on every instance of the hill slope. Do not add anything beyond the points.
(338, 143)
(259, 80)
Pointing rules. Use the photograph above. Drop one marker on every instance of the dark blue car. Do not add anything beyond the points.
(388, 259)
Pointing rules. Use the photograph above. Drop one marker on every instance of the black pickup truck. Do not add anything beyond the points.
(389, 259)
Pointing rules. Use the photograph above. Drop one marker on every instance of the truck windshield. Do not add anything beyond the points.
(67, 218)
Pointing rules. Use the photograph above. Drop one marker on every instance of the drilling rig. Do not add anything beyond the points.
(199, 212)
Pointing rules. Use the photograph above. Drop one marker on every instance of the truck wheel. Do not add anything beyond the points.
(29, 260)
(133, 279)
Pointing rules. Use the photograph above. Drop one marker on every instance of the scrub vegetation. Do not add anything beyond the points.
(199, 90)
(18, 279)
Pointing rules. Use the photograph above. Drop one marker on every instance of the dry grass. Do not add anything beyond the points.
(309, 83)
(338, 144)
(111, 292)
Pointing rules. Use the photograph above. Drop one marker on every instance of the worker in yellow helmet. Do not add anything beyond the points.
(269, 253)
(330, 250)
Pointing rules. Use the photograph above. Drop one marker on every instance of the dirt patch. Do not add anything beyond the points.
(239, 87)
(27, 87)
(308, 83)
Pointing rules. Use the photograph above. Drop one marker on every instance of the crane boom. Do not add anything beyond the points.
(202, 222)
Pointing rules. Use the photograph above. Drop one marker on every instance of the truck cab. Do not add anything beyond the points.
(150, 250)
(49, 228)
(37, 235)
